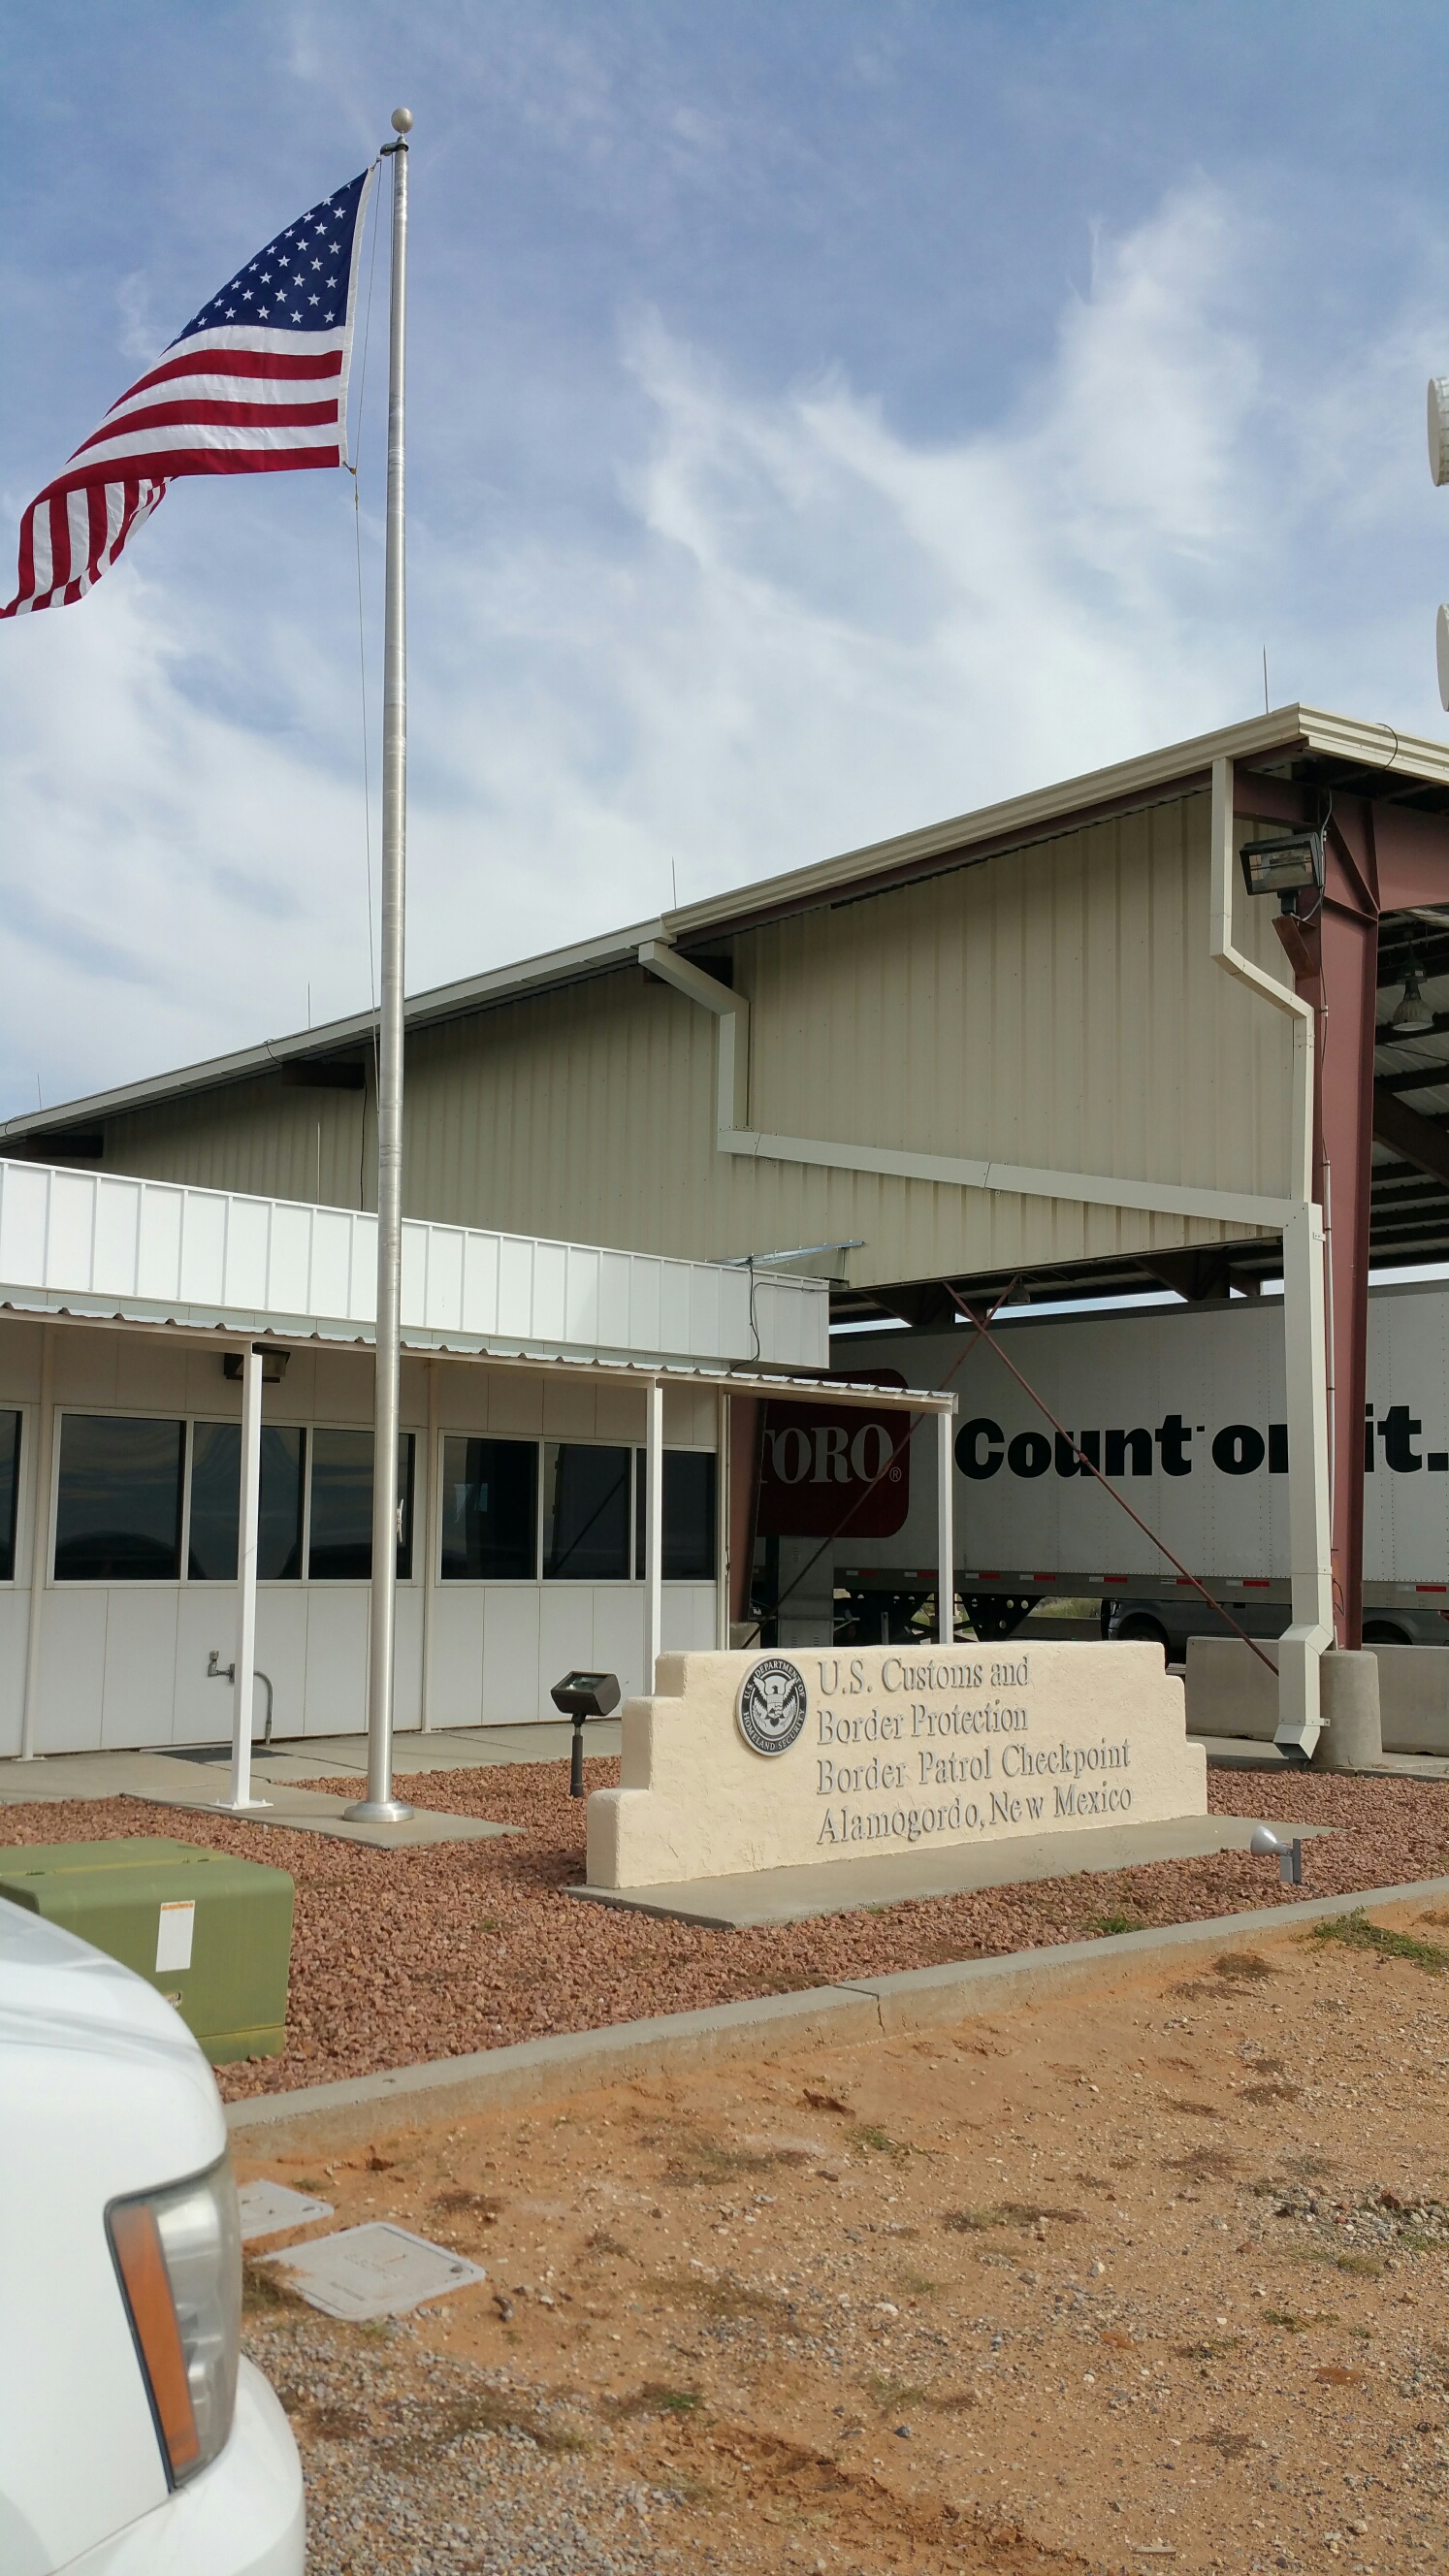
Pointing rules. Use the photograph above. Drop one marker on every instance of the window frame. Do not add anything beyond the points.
(185, 1580)
(420, 1505)
(24, 1512)
(461, 1582)
(539, 1441)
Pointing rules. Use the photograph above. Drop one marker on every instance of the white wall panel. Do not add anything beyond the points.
(14, 1617)
(510, 1653)
(139, 1688)
(336, 1689)
(72, 1670)
(455, 1675)
(566, 1639)
(282, 1653)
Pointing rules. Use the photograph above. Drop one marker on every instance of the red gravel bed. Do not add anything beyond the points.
(401, 1956)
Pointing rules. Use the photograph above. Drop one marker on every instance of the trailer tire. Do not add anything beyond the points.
(1139, 1629)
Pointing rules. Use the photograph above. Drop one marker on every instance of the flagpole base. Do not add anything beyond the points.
(377, 1811)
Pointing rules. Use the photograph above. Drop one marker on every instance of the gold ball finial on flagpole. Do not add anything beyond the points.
(402, 120)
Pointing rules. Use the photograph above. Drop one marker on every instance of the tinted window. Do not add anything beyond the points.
(9, 1491)
(490, 1509)
(585, 1512)
(216, 1501)
(340, 1544)
(689, 1488)
(118, 1506)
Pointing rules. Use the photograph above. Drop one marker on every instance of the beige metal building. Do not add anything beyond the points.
(1030, 986)
(1054, 1041)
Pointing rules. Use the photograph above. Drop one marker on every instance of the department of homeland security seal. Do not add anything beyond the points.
(770, 1712)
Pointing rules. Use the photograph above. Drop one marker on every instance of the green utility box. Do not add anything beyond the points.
(212, 1934)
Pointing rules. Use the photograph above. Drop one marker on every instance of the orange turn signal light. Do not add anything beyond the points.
(147, 2285)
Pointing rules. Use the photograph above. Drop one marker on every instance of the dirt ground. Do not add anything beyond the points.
(1151, 2278)
(402, 1956)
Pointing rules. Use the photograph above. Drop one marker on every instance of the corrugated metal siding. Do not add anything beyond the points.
(1055, 1006)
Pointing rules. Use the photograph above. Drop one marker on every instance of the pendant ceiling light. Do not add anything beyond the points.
(1413, 1018)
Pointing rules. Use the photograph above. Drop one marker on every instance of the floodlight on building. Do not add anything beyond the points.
(1413, 1018)
(1283, 864)
(1441, 654)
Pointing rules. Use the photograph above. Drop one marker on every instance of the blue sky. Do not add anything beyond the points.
(824, 418)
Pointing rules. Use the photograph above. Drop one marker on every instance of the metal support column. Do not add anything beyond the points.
(945, 1529)
(39, 1540)
(248, 1518)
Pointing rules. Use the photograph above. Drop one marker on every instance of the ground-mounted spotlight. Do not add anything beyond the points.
(1289, 1856)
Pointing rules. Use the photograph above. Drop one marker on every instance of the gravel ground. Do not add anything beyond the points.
(433, 1953)
(1155, 2282)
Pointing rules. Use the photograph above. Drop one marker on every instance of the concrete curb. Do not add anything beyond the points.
(836, 2016)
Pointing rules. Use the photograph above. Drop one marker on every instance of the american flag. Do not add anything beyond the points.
(255, 384)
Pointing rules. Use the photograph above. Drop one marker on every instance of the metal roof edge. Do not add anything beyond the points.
(557, 966)
(1282, 730)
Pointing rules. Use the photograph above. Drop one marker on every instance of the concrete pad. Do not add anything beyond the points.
(475, 1748)
(403, 2098)
(271, 2208)
(184, 1773)
(1236, 1753)
(310, 1811)
(90, 1775)
(737, 1904)
(376, 2270)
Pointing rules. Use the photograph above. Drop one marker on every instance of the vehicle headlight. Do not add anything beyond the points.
(178, 2254)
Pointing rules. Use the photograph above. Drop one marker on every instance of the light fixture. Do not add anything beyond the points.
(1439, 470)
(1413, 1018)
(1439, 428)
(1283, 864)
(1289, 1856)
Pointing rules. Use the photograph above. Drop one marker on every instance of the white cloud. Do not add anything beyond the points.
(800, 631)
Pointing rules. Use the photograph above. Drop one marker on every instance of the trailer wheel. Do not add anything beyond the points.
(1139, 1629)
(1381, 1632)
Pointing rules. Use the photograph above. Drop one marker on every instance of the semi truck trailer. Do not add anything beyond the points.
(1182, 1410)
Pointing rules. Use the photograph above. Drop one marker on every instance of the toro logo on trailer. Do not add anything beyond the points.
(818, 1469)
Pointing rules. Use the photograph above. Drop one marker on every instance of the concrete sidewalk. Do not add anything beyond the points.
(195, 1777)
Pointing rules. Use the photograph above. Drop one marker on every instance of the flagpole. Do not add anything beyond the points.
(380, 1806)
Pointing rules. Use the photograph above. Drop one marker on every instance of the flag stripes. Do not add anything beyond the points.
(231, 396)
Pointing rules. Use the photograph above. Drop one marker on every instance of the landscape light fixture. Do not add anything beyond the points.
(1289, 1856)
(1283, 865)
(580, 1696)
(1413, 1017)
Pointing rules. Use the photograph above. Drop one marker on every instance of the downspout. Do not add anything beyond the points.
(1304, 1341)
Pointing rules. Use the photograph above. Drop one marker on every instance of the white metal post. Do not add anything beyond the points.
(1305, 1347)
(39, 1540)
(248, 1514)
(379, 1806)
(945, 1530)
(722, 1522)
(653, 1533)
(1309, 1502)
(433, 1526)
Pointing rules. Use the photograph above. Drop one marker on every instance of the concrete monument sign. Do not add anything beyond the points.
(765, 1761)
